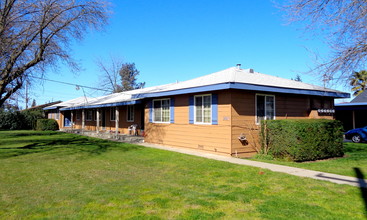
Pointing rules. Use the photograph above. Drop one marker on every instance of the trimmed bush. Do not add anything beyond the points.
(47, 125)
(303, 139)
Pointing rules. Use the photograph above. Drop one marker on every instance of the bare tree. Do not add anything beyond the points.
(344, 24)
(110, 74)
(36, 34)
(118, 76)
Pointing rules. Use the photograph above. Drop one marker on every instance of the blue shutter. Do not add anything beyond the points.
(150, 106)
(191, 109)
(172, 110)
(214, 109)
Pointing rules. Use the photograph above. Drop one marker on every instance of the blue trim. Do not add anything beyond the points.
(184, 91)
(351, 104)
(289, 90)
(172, 110)
(50, 108)
(150, 106)
(244, 86)
(214, 109)
(191, 110)
(103, 105)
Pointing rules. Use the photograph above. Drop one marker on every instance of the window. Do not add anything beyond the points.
(161, 110)
(203, 109)
(130, 113)
(95, 115)
(57, 115)
(112, 114)
(265, 107)
(89, 115)
(78, 115)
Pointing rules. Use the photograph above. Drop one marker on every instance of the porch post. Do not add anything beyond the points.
(97, 127)
(117, 121)
(354, 120)
(83, 119)
(72, 119)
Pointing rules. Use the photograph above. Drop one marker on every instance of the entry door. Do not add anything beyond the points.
(67, 119)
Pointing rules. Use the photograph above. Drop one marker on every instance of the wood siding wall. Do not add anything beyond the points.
(52, 114)
(214, 138)
(287, 106)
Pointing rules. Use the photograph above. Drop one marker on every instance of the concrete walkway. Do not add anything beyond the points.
(339, 179)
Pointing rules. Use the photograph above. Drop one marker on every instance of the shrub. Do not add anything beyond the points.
(47, 125)
(12, 120)
(16, 120)
(302, 140)
(31, 117)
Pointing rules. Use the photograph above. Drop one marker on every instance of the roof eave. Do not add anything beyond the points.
(130, 102)
(244, 86)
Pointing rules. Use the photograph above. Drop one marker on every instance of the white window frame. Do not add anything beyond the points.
(87, 116)
(169, 111)
(113, 113)
(256, 122)
(211, 109)
(131, 109)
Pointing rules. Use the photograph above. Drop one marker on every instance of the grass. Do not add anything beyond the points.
(51, 175)
(355, 157)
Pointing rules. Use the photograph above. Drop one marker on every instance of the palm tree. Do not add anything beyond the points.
(358, 81)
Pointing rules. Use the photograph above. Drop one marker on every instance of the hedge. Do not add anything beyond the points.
(47, 125)
(303, 139)
(19, 120)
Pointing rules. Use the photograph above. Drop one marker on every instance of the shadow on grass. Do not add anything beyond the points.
(25, 133)
(64, 144)
(362, 186)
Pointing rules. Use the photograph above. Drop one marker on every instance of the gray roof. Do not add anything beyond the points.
(360, 98)
(231, 78)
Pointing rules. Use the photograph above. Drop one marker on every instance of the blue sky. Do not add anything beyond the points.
(180, 40)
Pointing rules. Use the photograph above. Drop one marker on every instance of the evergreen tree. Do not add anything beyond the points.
(129, 73)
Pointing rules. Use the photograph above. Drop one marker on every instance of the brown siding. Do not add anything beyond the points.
(214, 138)
(287, 106)
(243, 122)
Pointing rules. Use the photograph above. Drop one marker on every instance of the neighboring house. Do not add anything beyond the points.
(219, 112)
(42, 107)
(64, 120)
(354, 113)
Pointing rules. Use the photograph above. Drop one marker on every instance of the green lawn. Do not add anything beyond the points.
(51, 175)
(355, 157)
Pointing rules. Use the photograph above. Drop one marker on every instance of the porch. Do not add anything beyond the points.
(108, 135)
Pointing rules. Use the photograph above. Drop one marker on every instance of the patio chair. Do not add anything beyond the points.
(133, 129)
